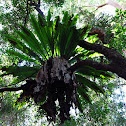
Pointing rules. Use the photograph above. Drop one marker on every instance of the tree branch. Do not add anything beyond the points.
(39, 11)
(119, 70)
(117, 65)
(10, 89)
(27, 13)
(30, 84)
(37, 7)
(94, 64)
(109, 53)
(39, 3)
(110, 2)
(121, 84)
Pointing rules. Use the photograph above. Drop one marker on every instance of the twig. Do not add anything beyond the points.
(10, 89)
(37, 7)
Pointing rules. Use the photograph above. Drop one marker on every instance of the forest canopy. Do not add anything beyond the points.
(60, 60)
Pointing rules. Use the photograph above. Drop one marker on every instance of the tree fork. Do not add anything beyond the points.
(37, 7)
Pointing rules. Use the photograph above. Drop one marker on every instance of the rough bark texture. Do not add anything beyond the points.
(55, 77)
(117, 61)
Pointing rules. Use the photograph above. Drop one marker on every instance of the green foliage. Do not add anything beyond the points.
(88, 83)
(112, 26)
(50, 39)
(7, 110)
(68, 37)
(16, 43)
(104, 110)
(21, 56)
(55, 2)
(83, 93)
(70, 123)
(54, 39)
(60, 38)
(119, 26)
(89, 71)
(21, 73)
(15, 13)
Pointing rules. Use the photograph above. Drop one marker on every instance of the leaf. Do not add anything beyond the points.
(73, 42)
(45, 35)
(79, 103)
(40, 32)
(31, 40)
(57, 20)
(49, 22)
(86, 70)
(42, 22)
(90, 71)
(74, 59)
(16, 43)
(49, 34)
(21, 72)
(83, 93)
(66, 17)
(26, 75)
(79, 53)
(89, 83)
(67, 40)
(21, 56)
(74, 20)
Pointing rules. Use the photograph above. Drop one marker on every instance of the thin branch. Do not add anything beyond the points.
(39, 11)
(121, 84)
(10, 89)
(37, 7)
(27, 86)
(101, 6)
(27, 13)
(39, 3)
(110, 2)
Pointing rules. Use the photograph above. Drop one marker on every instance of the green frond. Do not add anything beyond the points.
(45, 34)
(66, 17)
(49, 22)
(26, 75)
(40, 32)
(21, 56)
(22, 72)
(79, 102)
(79, 53)
(53, 37)
(90, 71)
(31, 41)
(42, 22)
(67, 41)
(16, 43)
(83, 94)
(89, 83)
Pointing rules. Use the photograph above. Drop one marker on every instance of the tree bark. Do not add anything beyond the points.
(37, 7)
(11, 89)
(117, 61)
